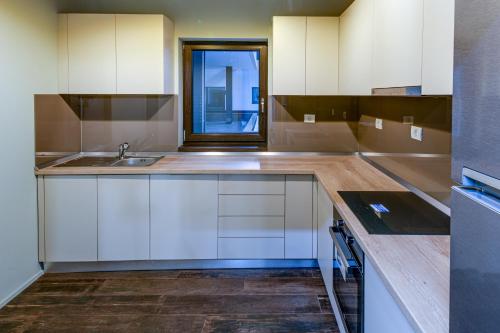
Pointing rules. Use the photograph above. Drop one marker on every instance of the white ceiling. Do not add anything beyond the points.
(189, 10)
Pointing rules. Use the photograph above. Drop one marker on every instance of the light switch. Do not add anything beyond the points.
(416, 133)
(379, 124)
(310, 118)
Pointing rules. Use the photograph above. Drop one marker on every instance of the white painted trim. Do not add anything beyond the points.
(20, 289)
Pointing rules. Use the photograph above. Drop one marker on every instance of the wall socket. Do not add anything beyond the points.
(310, 118)
(379, 124)
(417, 133)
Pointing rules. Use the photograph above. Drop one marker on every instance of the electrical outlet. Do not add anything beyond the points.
(310, 118)
(417, 133)
(379, 124)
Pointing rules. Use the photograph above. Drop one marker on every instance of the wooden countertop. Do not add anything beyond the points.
(415, 269)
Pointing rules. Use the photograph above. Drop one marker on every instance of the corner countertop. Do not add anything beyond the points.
(415, 269)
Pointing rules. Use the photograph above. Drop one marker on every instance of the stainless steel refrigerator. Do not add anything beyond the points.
(475, 205)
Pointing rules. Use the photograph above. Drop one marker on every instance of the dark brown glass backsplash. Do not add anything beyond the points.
(344, 124)
(335, 129)
(424, 164)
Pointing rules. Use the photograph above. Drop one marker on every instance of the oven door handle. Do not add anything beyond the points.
(343, 250)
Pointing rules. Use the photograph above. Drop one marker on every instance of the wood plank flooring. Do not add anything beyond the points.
(235, 300)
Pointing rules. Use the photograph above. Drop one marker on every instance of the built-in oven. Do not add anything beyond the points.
(348, 279)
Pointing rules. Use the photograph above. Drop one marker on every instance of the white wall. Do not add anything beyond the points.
(28, 65)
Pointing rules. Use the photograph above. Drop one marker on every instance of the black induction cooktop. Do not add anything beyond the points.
(396, 213)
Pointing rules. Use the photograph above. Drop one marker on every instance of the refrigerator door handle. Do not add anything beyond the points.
(477, 194)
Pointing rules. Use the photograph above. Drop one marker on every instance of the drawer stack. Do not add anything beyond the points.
(251, 218)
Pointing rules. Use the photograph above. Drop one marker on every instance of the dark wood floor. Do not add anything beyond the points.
(242, 300)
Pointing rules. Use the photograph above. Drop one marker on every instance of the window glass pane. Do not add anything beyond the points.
(225, 92)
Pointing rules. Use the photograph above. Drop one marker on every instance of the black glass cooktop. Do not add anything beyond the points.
(396, 213)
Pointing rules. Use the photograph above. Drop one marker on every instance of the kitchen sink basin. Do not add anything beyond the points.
(107, 161)
(136, 162)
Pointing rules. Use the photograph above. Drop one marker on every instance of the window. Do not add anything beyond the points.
(225, 90)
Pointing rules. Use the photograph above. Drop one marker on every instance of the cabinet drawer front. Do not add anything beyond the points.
(251, 226)
(251, 248)
(251, 205)
(251, 184)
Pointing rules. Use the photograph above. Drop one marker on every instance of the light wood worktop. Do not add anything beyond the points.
(415, 269)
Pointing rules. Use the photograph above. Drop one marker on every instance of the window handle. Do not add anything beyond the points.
(262, 104)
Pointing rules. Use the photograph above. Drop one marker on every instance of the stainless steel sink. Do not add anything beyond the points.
(136, 162)
(107, 161)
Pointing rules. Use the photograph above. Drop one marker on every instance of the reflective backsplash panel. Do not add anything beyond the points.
(343, 124)
(334, 130)
(425, 164)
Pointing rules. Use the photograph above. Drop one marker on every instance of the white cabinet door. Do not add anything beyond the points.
(123, 218)
(92, 54)
(142, 44)
(299, 217)
(325, 242)
(355, 49)
(397, 38)
(382, 313)
(70, 218)
(184, 217)
(289, 55)
(322, 49)
(438, 43)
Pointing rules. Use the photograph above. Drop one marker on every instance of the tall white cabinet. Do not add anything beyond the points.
(305, 55)
(123, 228)
(184, 217)
(115, 54)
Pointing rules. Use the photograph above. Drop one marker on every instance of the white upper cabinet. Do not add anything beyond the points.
(393, 43)
(322, 49)
(289, 55)
(438, 43)
(144, 54)
(355, 49)
(397, 43)
(91, 54)
(305, 55)
(115, 54)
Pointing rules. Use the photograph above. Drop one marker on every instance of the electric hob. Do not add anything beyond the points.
(396, 213)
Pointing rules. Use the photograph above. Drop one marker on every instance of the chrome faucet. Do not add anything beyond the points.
(122, 149)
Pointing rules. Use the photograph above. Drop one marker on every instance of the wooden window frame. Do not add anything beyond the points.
(217, 139)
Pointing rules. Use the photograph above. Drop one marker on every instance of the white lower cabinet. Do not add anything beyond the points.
(382, 313)
(184, 217)
(176, 217)
(70, 217)
(325, 242)
(123, 217)
(251, 248)
(299, 217)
